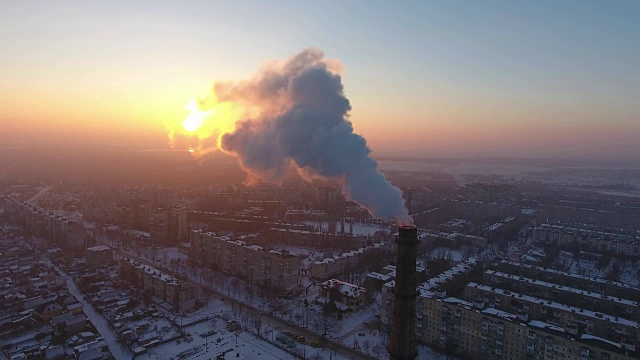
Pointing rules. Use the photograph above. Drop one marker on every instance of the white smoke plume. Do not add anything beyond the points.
(298, 116)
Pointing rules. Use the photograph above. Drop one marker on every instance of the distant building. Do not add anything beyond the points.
(159, 226)
(64, 232)
(587, 239)
(178, 228)
(99, 255)
(625, 219)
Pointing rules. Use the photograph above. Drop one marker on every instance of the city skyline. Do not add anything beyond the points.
(424, 79)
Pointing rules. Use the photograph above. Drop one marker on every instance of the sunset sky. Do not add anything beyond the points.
(427, 78)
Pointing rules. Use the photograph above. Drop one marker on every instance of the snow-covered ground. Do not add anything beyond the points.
(625, 271)
(630, 273)
(99, 322)
(589, 267)
(366, 338)
(210, 339)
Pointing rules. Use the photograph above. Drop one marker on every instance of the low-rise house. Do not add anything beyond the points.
(351, 296)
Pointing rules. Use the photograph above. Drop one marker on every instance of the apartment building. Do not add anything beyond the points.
(233, 255)
(478, 210)
(452, 239)
(179, 294)
(571, 318)
(625, 219)
(588, 239)
(289, 235)
(66, 233)
(477, 332)
(178, 226)
(568, 295)
(608, 287)
(159, 226)
(451, 279)
(336, 265)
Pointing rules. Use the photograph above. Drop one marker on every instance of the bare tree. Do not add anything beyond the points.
(366, 344)
(306, 317)
(257, 322)
(235, 287)
(326, 323)
(206, 293)
(378, 349)
(278, 305)
(235, 308)
(165, 257)
(245, 318)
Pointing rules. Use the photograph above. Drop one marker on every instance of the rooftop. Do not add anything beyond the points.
(558, 306)
(99, 248)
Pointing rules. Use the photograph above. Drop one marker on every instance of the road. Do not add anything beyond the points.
(98, 321)
(339, 348)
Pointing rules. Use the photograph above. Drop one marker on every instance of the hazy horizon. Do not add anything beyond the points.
(430, 79)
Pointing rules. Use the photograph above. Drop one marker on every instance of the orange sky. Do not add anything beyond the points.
(114, 75)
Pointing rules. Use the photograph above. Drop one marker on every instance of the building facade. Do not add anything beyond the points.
(154, 282)
(271, 269)
(99, 255)
(349, 295)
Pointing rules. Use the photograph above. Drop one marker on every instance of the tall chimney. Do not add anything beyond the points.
(403, 321)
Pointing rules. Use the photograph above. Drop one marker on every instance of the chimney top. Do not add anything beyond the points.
(407, 234)
(407, 228)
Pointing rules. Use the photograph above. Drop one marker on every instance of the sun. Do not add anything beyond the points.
(206, 121)
(196, 117)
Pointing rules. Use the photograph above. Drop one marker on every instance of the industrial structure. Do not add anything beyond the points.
(403, 323)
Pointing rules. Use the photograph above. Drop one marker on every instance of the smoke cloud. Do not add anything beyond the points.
(297, 115)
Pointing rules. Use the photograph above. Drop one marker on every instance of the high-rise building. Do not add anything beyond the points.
(178, 231)
(159, 226)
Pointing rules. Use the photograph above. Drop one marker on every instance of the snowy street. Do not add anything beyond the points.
(98, 321)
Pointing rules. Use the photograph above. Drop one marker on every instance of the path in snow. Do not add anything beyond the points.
(98, 321)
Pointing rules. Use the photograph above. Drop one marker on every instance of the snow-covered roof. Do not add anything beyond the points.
(548, 285)
(558, 306)
(577, 276)
(99, 248)
(592, 337)
(544, 325)
(155, 272)
(344, 288)
(351, 253)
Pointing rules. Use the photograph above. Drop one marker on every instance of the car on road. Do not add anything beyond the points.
(299, 338)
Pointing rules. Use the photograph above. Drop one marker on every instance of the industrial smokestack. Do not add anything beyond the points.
(403, 321)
